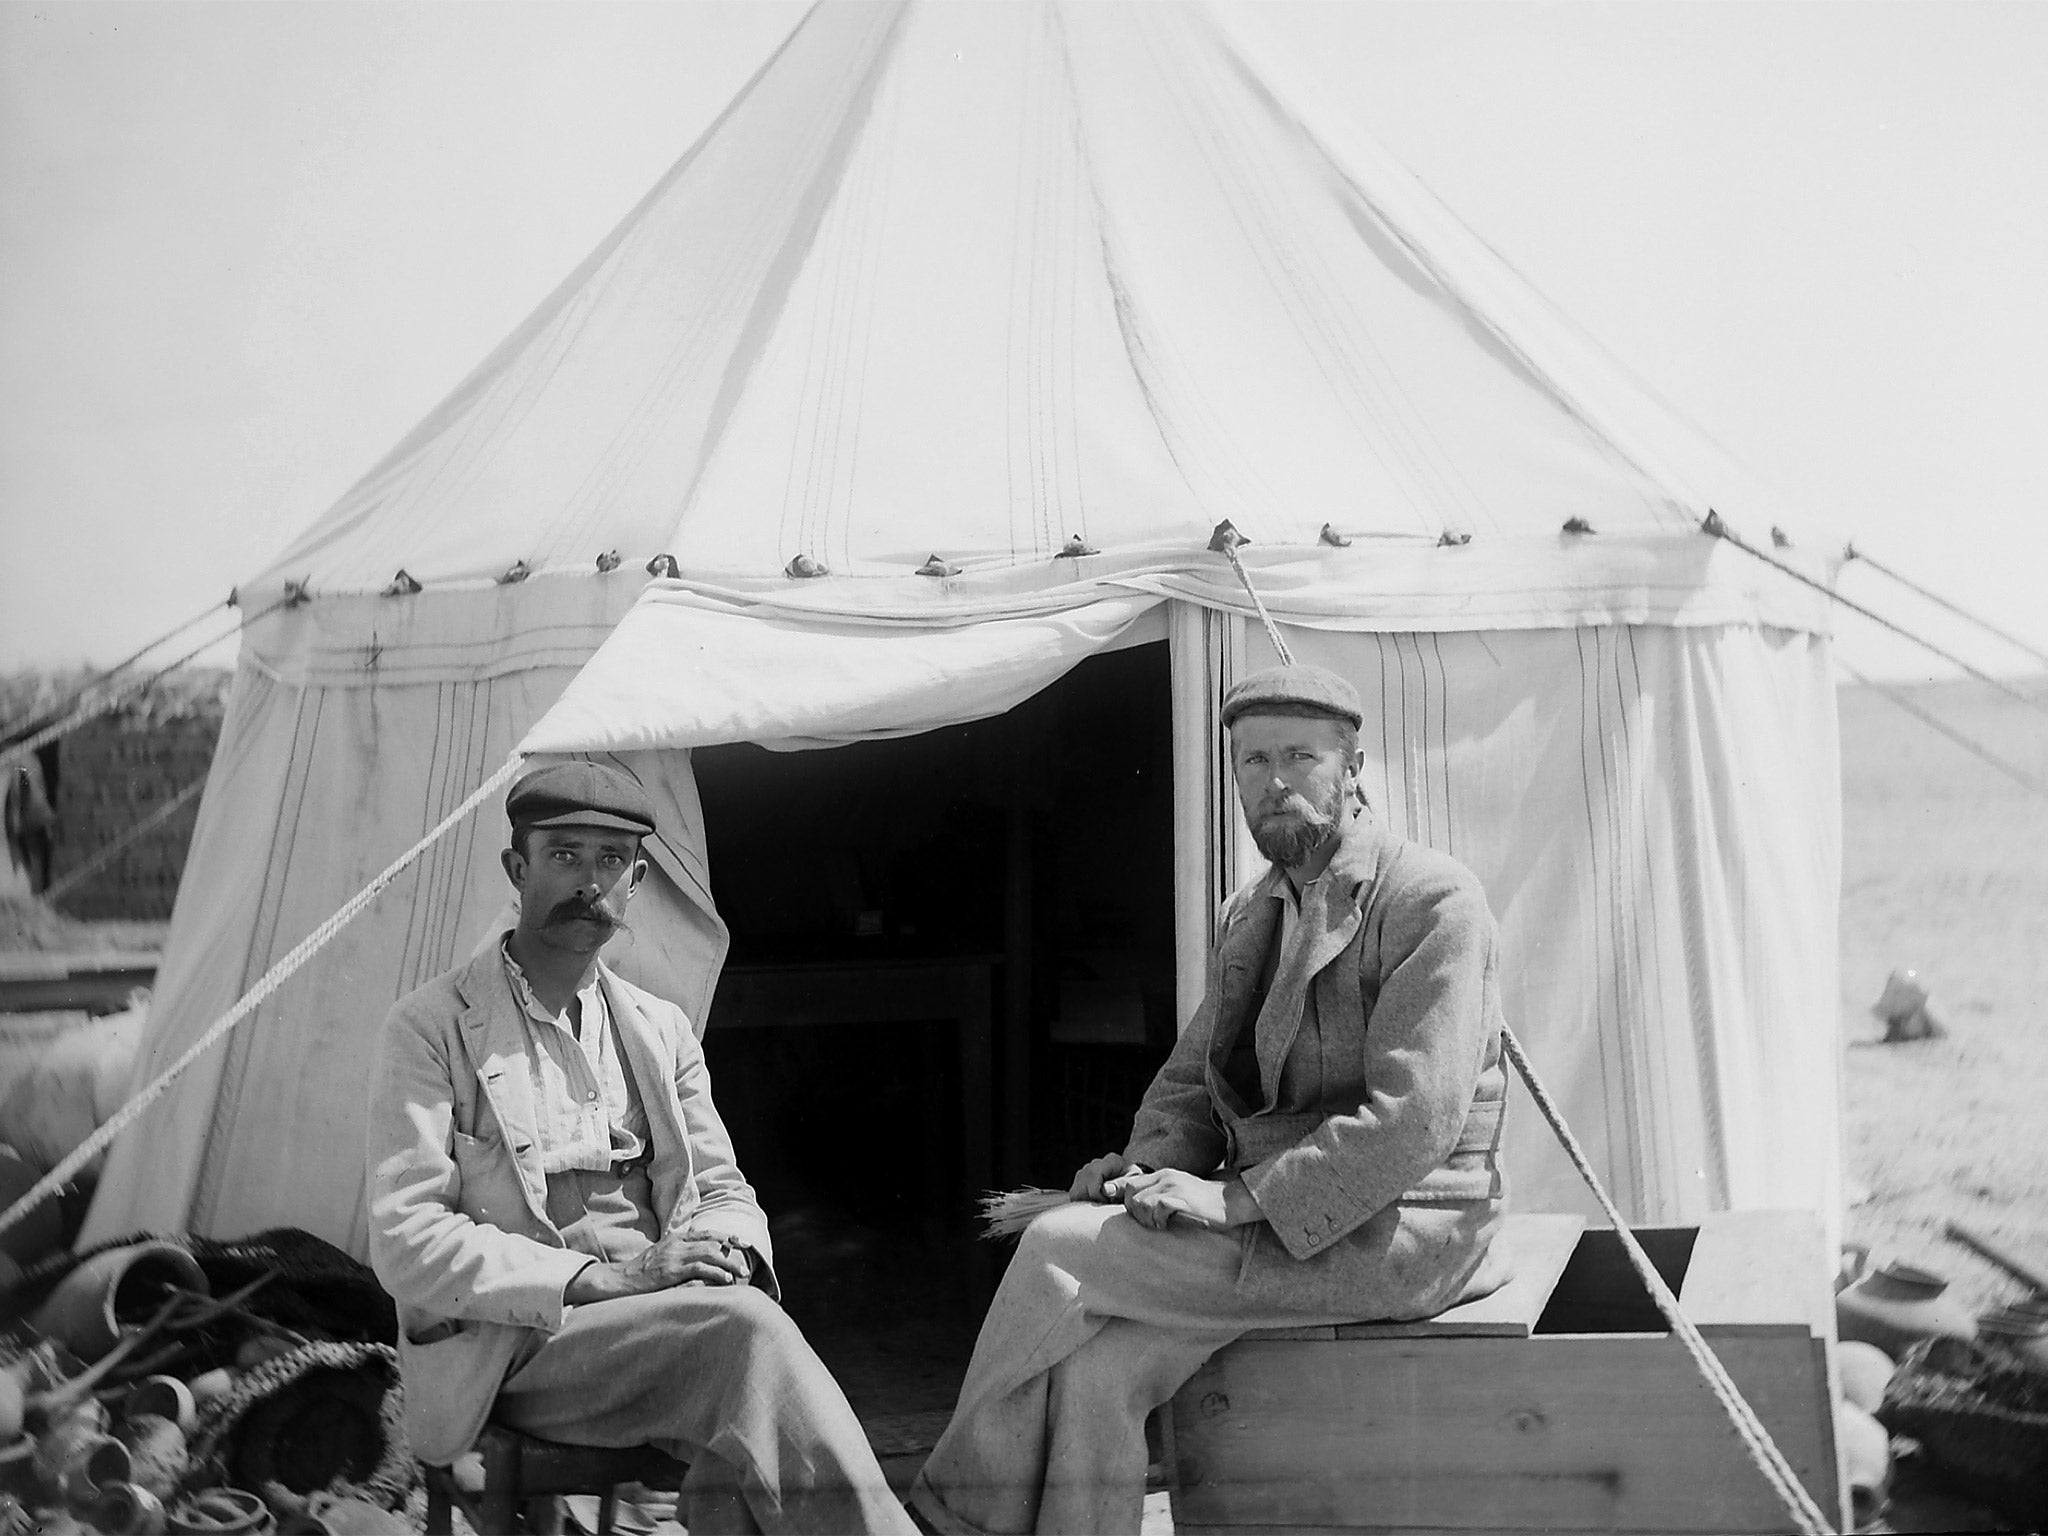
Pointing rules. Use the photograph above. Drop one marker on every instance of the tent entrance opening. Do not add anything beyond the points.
(951, 970)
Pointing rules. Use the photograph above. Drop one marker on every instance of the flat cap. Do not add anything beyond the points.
(1299, 689)
(580, 794)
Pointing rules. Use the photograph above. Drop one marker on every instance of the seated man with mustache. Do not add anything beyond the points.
(1320, 1147)
(555, 1206)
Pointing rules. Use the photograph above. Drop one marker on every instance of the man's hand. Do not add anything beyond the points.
(680, 1258)
(1088, 1183)
(1154, 1199)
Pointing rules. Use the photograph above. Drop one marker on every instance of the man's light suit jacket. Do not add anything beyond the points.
(459, 1232)
(1374, 1152)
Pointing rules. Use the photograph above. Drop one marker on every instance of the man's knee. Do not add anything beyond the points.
(1064, 1237)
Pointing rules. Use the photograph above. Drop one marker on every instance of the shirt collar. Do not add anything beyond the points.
(592, 997)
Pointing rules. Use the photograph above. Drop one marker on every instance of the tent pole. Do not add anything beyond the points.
(1016, 1117)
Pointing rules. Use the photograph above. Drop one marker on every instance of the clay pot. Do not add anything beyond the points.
(1866, 1458)
(1864, 1369)
(156, 1452)
(112, 1292)
(2021, 1332)
(222, 1512)
(68, 1441)
(163, 1397)
(1897, 1305)
(123, 1509)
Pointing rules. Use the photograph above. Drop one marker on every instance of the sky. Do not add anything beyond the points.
(244, 248)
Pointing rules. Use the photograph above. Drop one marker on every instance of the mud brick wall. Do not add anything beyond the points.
(113, 772)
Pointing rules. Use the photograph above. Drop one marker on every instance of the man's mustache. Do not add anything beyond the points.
(577, 909)
(1293, 805)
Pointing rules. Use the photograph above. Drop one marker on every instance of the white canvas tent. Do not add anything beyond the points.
(1044, 292)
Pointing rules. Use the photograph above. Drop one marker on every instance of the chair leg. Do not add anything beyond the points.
(607, 1505)
(500, 1502)
(440, 1518)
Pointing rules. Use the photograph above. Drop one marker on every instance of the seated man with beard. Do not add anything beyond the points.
(555, 1206)
(1321, 1146)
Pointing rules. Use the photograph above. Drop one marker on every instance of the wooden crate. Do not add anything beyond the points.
(1558, 1404)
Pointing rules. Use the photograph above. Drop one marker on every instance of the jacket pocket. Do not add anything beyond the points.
(491, 1190)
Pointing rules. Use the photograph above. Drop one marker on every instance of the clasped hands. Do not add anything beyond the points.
(677, 1258)
(1154, 1199)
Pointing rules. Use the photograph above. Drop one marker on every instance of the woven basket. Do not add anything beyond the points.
(1981, 1415)
(323, 1415)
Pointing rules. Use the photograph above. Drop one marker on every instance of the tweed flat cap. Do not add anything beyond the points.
(1296, 690)
(580, 795)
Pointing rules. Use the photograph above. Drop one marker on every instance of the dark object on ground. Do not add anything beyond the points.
(1981, 1416)
(1902, 1009)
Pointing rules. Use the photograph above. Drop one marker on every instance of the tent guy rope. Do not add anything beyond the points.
(102, 678)
(1716, 525)
(80, 1156)
(1941, 602)
(92, 708)
(113, 850)
(1755, 1437)
(1970, 745)
(1763, 1451)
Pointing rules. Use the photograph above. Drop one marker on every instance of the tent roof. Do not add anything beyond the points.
(973, 281)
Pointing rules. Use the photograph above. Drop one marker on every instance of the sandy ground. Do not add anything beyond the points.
(1945, 871)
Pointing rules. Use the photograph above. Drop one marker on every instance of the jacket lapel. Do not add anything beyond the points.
(652, 1062)
(1241, 949)
(496, 1039)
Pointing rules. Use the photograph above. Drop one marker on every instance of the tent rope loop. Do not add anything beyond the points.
(1225, 541)
(79, 1157)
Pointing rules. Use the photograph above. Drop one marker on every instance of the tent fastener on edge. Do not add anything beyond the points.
(404, 584)
(664, 566)
(803, 568)
(609, 561)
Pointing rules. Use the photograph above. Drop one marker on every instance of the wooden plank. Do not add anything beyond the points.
(1580, 1432)
(1760, 1268)
(1540, 1246)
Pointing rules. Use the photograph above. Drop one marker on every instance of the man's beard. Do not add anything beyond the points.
(1291, 832)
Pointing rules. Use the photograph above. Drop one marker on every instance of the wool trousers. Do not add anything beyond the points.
(1097, 1321)
(720, 1377)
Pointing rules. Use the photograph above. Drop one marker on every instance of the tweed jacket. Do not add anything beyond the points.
(1374, 1153)
(459, 1233)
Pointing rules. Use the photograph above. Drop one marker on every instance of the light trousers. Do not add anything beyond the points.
(1098, 1321)
(720, 1377)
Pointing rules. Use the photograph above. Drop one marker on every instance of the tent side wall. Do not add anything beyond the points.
(1655, 814)
(355, 725)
